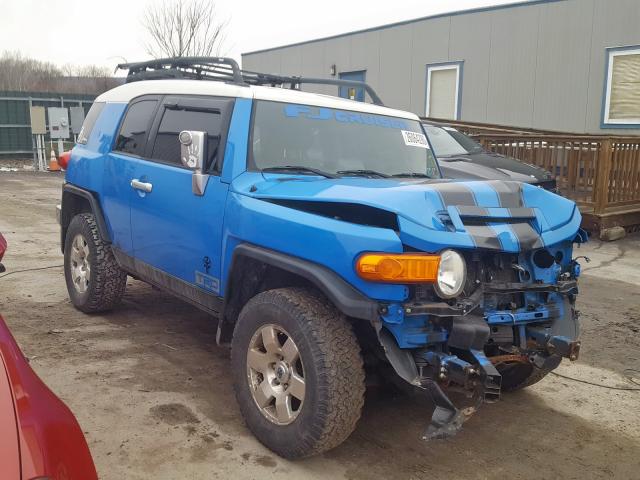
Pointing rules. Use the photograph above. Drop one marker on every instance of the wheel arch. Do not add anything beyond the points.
(255, 269)
(77, 200)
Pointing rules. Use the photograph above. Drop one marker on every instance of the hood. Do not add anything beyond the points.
(491, 166)
(432, 214)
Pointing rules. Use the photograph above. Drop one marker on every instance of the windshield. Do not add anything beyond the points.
(339, 142)
(444, 145)
(468, 143)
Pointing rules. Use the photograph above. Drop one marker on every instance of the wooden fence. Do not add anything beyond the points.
(598, 173)
(601, 173)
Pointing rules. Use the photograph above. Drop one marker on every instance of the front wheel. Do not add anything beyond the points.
(517, 375)
(298, 373)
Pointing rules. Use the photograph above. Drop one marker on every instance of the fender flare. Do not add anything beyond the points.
(343, 295)
(66, 214)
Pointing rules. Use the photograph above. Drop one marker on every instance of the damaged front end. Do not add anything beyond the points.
(513, 324)
(508, 322)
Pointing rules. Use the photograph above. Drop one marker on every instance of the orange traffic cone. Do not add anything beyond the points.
(53, 163)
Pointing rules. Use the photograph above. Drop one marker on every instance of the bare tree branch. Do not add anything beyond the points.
(181, 28)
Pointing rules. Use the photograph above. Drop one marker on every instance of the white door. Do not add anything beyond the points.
(443, 85)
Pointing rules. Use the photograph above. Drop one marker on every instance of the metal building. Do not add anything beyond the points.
(562, 65)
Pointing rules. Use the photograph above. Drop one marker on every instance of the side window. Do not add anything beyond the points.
(89, 122)
(166, 147)
(133, 132)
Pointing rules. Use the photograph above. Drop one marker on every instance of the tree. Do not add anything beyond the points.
(19, 73)
(182, 28)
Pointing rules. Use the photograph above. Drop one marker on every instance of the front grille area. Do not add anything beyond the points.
(482, 268)
(497, 268)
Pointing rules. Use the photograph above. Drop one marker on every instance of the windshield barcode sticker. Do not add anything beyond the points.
(414, 139)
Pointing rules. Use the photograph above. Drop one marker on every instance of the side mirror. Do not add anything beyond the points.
(192, 155)
(192, 149)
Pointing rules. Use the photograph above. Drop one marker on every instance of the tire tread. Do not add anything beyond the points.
(341, 378)
(109, 280)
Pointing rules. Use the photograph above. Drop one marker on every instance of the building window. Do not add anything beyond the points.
(444, 88)
(622, 88)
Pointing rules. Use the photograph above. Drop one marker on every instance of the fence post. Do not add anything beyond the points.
(603, 171)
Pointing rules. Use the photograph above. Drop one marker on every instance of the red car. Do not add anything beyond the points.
(3, 248)
(39, 436)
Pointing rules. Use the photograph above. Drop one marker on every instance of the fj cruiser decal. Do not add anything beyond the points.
(415, 139)
(212, 284)
(320, 113)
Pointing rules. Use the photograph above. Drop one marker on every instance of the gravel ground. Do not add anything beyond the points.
(153, 392)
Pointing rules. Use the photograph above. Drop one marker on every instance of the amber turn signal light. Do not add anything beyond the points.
(398, 267)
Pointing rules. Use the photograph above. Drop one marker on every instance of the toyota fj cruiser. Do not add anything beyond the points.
(320, 233)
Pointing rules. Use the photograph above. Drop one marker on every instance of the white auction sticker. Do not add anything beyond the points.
(415, 139)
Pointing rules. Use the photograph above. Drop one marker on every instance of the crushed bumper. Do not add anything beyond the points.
(458, 362)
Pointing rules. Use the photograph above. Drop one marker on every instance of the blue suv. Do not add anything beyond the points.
(319, 233)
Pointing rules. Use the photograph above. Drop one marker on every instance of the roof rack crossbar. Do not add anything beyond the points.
(183, 67)
(256, 78)
(224, 69)
(344, 83)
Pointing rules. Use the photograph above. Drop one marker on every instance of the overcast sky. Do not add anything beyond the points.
(104, 32)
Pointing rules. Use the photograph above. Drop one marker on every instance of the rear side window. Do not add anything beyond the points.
(166, 147)
(89, 122)
(135, 127)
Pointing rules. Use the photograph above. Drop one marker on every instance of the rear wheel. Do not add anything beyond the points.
(298, 373)
(95, 282)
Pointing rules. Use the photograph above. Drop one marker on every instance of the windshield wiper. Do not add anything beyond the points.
(299, 169)
(412, 174)
(366, 173)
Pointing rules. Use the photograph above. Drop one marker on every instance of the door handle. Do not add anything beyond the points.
(142, 186)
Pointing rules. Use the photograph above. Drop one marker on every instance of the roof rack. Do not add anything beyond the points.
(224, 69)
(195, 68)
(294, 82)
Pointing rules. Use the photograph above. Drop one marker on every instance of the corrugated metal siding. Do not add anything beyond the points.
(395, 58)
(512, 66)
(533, 66)
(471, 41)
(563, 60)
(429, 44)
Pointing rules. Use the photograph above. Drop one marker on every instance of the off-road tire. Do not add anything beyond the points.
(523, 381)
(107, 281)
(333, 368)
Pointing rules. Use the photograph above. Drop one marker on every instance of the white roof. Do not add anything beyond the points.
(125, 93)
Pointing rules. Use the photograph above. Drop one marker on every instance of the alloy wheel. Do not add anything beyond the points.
(275, 374)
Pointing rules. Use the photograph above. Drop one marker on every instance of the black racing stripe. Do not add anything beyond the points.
(461, 196)
(484, 237)
(455, 194)
(466, 211)
(522, 212)
(527, 236)
(509, 193)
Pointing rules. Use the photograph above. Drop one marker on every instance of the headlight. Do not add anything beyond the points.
(452, 274)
